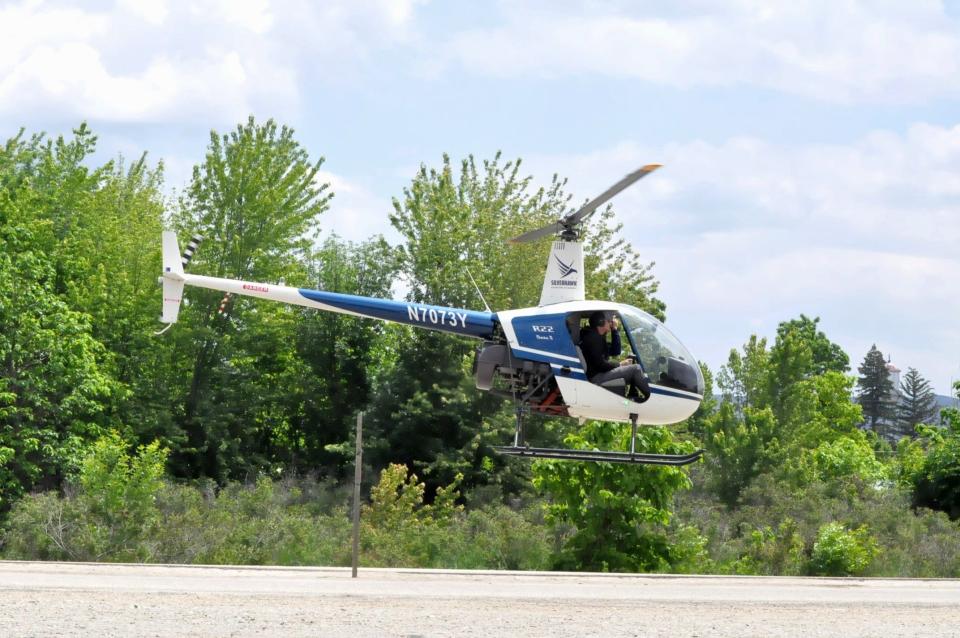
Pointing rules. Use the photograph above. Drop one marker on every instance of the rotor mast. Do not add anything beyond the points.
(564, 277)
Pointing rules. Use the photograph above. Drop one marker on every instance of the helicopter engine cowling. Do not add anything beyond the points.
(488, 359)
(494, 361)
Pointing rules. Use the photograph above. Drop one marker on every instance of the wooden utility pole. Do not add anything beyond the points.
(357, 465)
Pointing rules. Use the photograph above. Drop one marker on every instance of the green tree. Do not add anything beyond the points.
(53, 393)
(620, 512)
(801, 352)
(875, 389)
(918, 403)
(337, 359)
(745, 380)
(825, 356)
(841, 552)
(819, 409)
(937, 482)
(738, 448)
(257, 197)
(56, 390)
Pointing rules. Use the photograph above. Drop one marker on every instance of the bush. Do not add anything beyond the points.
(620, 512)
(846, 457)
(688, 552)
(400, 530)
(111, 515)
(771, 551)
(842, 552)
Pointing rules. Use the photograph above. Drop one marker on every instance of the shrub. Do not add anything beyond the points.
(111, 515)
(772, 551)
(620, 512)
(842, 552)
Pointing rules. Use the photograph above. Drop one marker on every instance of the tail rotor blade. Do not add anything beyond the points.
(190, 249)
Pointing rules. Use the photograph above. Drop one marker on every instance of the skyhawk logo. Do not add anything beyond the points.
(565, 269)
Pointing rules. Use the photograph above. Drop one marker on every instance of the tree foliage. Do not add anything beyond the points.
(875, 389)
(918, 403)
(937, 480)
(620, 512)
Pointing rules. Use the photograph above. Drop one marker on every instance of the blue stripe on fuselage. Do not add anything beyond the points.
(456, 320)
(673, 393)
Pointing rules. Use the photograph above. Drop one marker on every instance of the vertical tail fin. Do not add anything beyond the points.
(172, 261)
(564, 278)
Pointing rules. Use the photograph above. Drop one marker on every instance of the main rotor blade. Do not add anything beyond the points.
(589, 207)
(532, 235)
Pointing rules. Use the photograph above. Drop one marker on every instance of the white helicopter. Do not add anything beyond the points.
(531, 355)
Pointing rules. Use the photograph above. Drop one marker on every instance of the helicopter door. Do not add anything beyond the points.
(577, 323)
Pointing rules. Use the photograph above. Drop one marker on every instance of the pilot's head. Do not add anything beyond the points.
(598, 321)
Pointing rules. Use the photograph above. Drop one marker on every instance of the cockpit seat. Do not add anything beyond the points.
(612, 384)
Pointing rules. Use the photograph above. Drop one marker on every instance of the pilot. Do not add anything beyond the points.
(600, 369)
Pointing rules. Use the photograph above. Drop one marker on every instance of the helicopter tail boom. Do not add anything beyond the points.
(471, 323)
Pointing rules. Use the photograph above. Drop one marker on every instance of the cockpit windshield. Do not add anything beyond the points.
(663, 357)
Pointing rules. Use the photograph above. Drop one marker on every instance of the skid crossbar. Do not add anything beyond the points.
(601, 456)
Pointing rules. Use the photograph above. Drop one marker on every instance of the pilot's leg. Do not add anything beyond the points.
(617, 373)
(641, 387)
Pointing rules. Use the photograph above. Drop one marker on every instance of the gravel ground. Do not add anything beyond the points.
(82, 599)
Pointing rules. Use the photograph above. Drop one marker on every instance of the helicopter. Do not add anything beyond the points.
(531, 355)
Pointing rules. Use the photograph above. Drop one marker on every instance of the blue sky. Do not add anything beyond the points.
(811, 149)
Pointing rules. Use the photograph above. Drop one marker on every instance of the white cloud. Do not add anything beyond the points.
(356, 213)
(838, 52)
(747, 234)
(214, 61)
(153, 11)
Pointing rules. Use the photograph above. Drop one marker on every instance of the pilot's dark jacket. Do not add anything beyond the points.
(596, 350)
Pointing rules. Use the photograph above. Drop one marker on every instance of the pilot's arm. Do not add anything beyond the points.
(615, 347)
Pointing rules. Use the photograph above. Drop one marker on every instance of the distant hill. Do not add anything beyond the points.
(943, 401)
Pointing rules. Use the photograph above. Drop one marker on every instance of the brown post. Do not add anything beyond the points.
(356, 494)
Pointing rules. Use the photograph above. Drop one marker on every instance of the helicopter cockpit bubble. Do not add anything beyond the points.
(665, 360)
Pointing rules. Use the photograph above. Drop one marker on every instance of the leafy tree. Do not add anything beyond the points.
(874, 389)
(799, 353)
(745, 380)
(110, 512)
(937, 481)
(56, 391)
(819, 409)
(257, 195)
(52, 390)
(918, 403)
(620, 512)
(738, 448)
(825, 356)
(831, 461)
(337, 359)
(708, 407)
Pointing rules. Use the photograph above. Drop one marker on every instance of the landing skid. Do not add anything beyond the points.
(600, 456)
(520, 448)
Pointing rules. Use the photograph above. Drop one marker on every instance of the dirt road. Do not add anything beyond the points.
(76, 599)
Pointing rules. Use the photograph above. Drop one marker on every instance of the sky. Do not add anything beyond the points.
(811, 150)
